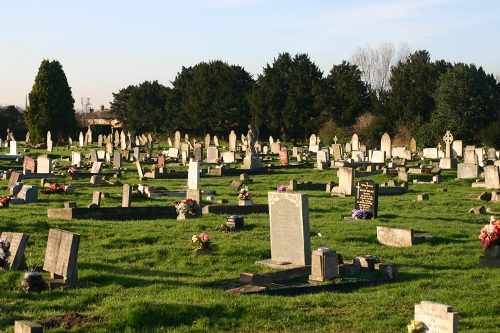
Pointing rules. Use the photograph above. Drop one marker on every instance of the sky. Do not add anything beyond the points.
(106, 45)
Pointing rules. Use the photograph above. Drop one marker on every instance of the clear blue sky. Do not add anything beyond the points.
(107, 45)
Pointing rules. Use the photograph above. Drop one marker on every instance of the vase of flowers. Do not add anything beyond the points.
(32, 281)
(4, 202)
(488, 237)
(202, 244)
(245, 197)
(72, 172)
(186, 209)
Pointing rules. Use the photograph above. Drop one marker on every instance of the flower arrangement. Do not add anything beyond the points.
(201, 241)
(4, 251)
(72, 171)
(245, 194)
(415, 326)
(54, 188)
(4, 202)
(155, 167)
(361, 214)
(282, 188)
(490, 233)
(186, 206)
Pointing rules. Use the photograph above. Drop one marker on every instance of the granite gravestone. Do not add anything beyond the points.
(289, 220)
(367, 196)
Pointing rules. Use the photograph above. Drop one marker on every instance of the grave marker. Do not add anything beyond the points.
(283, 157)
(367, 196)
(61, 255)
(436, 317)
(289, 219)
(127, 196)
(18, 243)
(29, 165)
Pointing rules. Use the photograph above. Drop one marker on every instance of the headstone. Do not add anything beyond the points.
(50, 146)
(140, 171)
(348, 147)
(289, 219)
(96, 168)
(80, 139)
(228, 156)
(378, 156)
(44, 165)
(413, 145)
(137, 153)
(99, 140)
(216, 141)
(173, 153)
(436, 317)
(355, 142)
(127, 196)
(337, 152)
(123, 140)
(367, 196)
(18, 243)
(29, 165)
(312, 142)
(397, 237)
(283, 157)
(430, 152)
(109, 148)
(15, 177)
(399, 152)
(456, 148)
(492, 177)
(386, 145)
(117, 160)
(198, 152)
(93, 155)
(275, 148)
(471, 157)
(322, 160)
(492, 154)
(467, 170)
(194, 176)
(346, 180)
(117, 138)
(207, 140)
(96, 198)
(13, 148)
(61, 255)
(271, 140)
(212, 154)
(169, 142)
(88, 136)
(448, 139)
(77, 159)
(177, 140)
(232, 141)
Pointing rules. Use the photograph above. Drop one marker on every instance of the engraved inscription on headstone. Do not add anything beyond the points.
(61, 255)
(367, 196)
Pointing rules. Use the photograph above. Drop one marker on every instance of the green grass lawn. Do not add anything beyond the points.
(142, 275)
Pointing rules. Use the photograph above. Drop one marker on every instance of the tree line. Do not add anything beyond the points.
(379, 90)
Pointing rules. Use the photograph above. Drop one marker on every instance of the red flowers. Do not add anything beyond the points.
(490, 233)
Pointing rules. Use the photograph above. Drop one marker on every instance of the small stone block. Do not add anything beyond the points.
(255, 279)
(423, 197)
(71, 204)
(368, 262)
(348, 269)
(24, 326)
(389, 270)
(478, 210)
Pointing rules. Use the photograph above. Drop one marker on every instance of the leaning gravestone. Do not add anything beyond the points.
(96, 168)
(367, 196)
(436, 318)
(289, 220)
(18, 243)
(61, 256)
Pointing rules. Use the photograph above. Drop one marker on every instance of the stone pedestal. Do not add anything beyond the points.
(448, 163)
(324, 265)
(251, 162)
(184, 216)
(246, 202)
(204, 251)
(491, 257)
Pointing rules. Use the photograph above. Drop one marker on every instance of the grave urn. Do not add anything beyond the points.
(248, 202)
(32, 281)
(492, 251)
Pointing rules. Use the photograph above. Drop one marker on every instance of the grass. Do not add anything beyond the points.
(142, 275)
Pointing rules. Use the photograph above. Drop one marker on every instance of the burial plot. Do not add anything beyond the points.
(61, 257)
(367, 197)
(18, 243)
(436, 317)
(289, 219)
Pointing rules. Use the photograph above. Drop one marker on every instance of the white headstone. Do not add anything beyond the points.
(194, 175)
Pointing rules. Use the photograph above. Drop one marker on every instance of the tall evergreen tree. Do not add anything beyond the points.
(51, 104)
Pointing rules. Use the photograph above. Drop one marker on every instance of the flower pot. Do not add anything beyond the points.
(246, 202)
(203, 251)
(492, 251)
(32, 281)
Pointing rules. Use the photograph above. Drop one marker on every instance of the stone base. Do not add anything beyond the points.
(245, 203)
(489, 262)
(448, 163)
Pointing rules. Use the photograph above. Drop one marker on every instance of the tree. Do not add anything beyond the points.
(12, 118)
(376, 64)
(413, 83)
(345, 96)
(211, 98)
(51, 104)
(141, 108)
(284, 99)
(467, 100)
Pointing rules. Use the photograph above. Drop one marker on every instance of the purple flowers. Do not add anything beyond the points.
(361, 214)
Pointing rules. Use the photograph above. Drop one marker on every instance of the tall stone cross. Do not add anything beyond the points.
(448, 139)
(335, 139)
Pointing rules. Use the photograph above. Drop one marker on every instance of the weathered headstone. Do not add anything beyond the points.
(228, 156)
(354, 142)
(275, 148)
(283, 157)
(194, 176)
(28, 193)
(117, 160)
(44, 165)
(212, 154)
(313, 143)
(123, 140)
(436, 317)
(492, 176)
(173, 153)
(29, 165)
(207, 141)
(177, 140)
(140, 171)
(137, 153)
(397, 237)
(18, 243)
(77, 159)
(13, 148)
(15, 177)
(413, 145)
(99, 140)
(367, 196)
(61, 255)
(216, 141)
(289, 219)
(378, 156)
(93, 155)
(232, 141)
(346, 180)
(96, 168)
(127, 196)
(456, 148)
